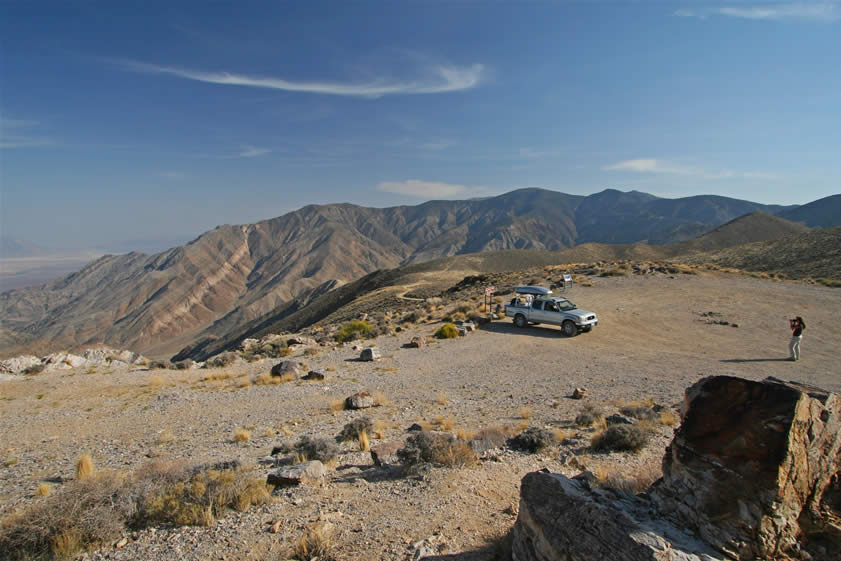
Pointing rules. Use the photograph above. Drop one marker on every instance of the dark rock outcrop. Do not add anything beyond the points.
(754, 472)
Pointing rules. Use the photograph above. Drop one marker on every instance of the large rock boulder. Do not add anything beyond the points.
(562, 519)
(755, 466)
(287, 368)
(296, 474)
(359, 400)
(369, 354)
(18, 364)
(754, 472)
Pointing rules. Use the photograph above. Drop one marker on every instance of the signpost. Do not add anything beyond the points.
(488, 292)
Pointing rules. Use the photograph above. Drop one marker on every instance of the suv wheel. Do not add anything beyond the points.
(520, 320)
(569, 328)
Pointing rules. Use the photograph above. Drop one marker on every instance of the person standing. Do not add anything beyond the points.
(797, 326)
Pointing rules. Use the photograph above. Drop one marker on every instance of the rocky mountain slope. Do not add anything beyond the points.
(233, 275)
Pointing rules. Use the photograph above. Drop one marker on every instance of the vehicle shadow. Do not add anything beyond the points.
(756, 360)
(503, 326)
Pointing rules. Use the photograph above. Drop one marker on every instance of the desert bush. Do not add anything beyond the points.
(185, 364)
(432, 448)
(525, 412)
(533, 440)
(411, 317)
(353, 429)
(321, 449)
(43, 490)
(222, 360)
(160, 365)
(242, 435)
(491, 437)
(668, 418)
(353, 330)
(447, 331)
(622, 437)
(444, 423)
(638, 412)
(833, 283)
(316, 543)
(590, 415)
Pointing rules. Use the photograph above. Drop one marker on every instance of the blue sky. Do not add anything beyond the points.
(148, 123)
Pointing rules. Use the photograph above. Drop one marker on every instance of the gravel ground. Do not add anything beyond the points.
(652, 342)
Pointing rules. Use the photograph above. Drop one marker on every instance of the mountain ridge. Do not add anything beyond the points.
(235, 274)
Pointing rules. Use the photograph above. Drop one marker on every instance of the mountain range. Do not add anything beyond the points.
(232, 276)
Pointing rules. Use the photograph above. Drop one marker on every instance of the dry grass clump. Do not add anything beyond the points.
(321, 449)
(155, 381)
(379, 429)
(380, 399)
(444, 423)
(525, 412)
(465, 434)
(442, 399)
(432, 448)
(267, 379)
(533, 440)
(43, 490)
(100, 508)
(491, 437)
(637, 481)
(622, 438)
(446, 331)
(315, 543)
(522, 425)
(84, 467)
(641, 412)
(242, 434)
(337, 405)
(668, 418)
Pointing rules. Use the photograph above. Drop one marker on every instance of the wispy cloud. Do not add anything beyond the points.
(652, 165)
(434, 79)
(821, 12)
(431, 189)
(253, 152)
(18, 133)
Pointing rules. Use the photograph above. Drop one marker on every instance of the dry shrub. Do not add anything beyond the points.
(165, 436)
(156, 381)
(591, 414)
(222, 360)
(491, 437)
(84, 467)
(214, 376)
(560, 434)
(337, 405)
(432, 448)
(268, 380)
(442, 399)
(465, 434)
(315, 543)
(380, 399)
(525, 412)
(241, 435)
(639, 411)
(668, 418)
(268, 432)
(637, 481)
(321, 449)
(522, 425)
(622, 437)
(43, 490)
(533, 440)
(354, 429)
(444, 423)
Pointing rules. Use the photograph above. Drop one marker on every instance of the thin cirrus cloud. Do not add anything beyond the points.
(823, 12)
(437, 79)
(655, 166)
(18, 133)
(430, 189)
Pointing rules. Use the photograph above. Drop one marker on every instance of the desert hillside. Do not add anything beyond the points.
(233, 276)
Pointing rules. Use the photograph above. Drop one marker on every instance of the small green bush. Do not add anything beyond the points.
(353, 330)
(622, 437)
(590, 414)
(639, 412)
(447, 331)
